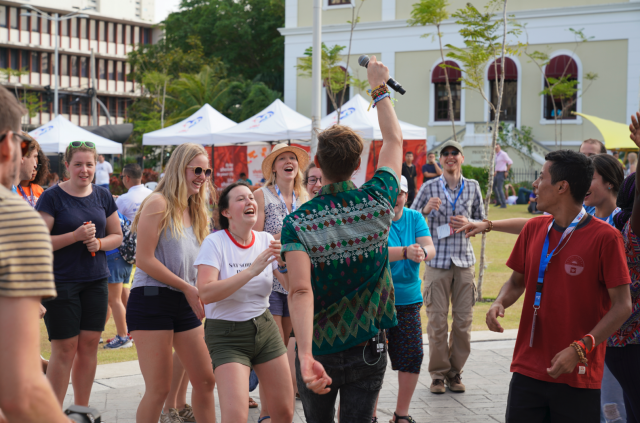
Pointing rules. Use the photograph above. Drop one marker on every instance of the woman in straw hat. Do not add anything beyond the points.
(282, 194)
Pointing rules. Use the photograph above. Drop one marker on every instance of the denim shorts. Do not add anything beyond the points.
(251, 342)
(120, 270)
(279, 304)
(158, 308)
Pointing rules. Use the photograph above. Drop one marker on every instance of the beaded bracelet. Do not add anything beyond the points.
(581, 357)
(490, 228)
(382, 97)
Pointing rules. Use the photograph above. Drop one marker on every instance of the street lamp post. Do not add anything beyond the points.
(56, 21)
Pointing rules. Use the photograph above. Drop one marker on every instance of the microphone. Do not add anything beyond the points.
(364, 62)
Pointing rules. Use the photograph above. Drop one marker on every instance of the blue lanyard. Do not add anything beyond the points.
(609, 219)
(545, 257)
(446, 193)
(31, 201)
(293, 202)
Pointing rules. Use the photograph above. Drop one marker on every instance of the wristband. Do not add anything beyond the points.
(100, 244)
(490, 228)
(424, 250)
(593, 342)
(582, 345)
(404, 252)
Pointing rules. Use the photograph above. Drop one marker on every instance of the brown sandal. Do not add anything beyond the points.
(252, 403)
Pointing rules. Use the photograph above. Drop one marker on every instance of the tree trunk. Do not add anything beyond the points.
(492, 153)
(446, 80)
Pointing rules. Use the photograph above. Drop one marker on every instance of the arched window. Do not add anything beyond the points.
(338, 97)
(560, 67)
(441, 106)
(509, 107)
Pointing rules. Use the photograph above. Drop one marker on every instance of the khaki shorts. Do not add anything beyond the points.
(252, 342)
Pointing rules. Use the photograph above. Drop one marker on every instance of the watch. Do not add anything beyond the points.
(425, 252)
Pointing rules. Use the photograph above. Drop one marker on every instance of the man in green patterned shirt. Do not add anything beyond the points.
(341, 293)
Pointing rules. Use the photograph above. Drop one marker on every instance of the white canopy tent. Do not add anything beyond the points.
(275, 123)
(354, 114)
(197, 128)
(55, 136)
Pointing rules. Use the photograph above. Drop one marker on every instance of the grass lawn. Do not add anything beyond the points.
(499, 247)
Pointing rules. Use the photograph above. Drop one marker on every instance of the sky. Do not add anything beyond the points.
(164, 7)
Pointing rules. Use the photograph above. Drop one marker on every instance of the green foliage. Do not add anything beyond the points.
(332, 74)
(520, 139)
(429, 12)
(32, 102)
(480, 174)
(243, 33)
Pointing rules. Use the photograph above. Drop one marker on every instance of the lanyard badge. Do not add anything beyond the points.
(545, 258)
(446, 230)
(31, 199)
(293, 202)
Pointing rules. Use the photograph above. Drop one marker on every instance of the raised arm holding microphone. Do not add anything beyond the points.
(341, 294)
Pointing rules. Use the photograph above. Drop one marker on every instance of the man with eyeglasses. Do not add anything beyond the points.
(449, 202)
(26, 278)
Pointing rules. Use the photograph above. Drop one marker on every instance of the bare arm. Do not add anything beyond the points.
(113, 239)
(427, 243)
(414, 252)
(259, 197)
(391, 151)
(212, 289)
(25, 394)
(511, 226)
(567, 359)
(509, 294)
(635, 137)
(301, 309)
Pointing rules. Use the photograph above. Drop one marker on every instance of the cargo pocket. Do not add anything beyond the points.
(426, 293)
(474, 292)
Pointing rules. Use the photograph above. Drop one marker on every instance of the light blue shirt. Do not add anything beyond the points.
(405, 273)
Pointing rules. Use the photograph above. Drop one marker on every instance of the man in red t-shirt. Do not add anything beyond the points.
(583, 297)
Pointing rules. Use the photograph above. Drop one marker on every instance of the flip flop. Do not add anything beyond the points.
(263, 418)
(252, 403)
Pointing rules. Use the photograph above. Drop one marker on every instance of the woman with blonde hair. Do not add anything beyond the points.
(164, 308)
(84, 225)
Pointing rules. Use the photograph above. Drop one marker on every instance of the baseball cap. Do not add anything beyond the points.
(453, 144)
(404, 184)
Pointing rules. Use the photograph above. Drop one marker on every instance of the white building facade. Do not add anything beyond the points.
(612, 52)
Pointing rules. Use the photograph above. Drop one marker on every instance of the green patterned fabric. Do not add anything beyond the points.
(344, 230)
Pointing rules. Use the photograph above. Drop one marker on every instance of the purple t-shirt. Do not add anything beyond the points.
(74, 262)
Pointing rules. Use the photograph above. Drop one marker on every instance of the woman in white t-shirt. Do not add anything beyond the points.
(236, 267)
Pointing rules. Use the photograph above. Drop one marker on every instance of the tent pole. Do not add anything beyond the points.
(213, 170)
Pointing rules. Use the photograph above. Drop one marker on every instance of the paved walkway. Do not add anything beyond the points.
(119, 387)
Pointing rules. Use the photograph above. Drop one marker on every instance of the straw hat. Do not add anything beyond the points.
(267, 164)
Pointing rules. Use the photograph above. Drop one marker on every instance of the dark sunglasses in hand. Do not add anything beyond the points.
(446, 153)
(197, 170)
(24, 144)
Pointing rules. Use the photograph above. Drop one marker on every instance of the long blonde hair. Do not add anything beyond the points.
(298, 185)
(173, 187)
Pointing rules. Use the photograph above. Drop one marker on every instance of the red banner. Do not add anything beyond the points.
(417, 147)
(228, 163)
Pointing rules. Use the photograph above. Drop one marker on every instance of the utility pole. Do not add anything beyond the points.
(316, 75)
(94, 108)
(56, 23)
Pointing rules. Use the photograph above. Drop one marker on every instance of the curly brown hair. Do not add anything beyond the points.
(42, 177)
(339, 150)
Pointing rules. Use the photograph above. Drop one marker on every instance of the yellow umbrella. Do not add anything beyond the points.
(616, 135)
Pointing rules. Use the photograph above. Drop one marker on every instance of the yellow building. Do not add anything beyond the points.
(613, 52)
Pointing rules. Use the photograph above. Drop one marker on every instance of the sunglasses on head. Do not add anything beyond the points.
(88, 144)
(446, 153)
(24, 144)
(197, 170)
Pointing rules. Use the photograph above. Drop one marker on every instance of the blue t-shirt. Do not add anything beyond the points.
(74, 262)
(609, 219)
(406, 280)
(431, 169)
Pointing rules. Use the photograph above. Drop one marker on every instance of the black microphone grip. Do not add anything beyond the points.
(364, 61)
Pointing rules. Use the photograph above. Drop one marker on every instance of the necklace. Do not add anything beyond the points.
(239, 239)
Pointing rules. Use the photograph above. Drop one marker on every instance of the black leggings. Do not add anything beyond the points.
(624, 363)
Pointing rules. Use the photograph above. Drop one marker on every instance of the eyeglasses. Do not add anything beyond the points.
(38, 167)
(313, 180)
(446, 153)
(88, 144)
(197, 170)
(24, 145)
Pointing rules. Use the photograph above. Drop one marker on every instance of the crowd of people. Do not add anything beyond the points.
(313, 283)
